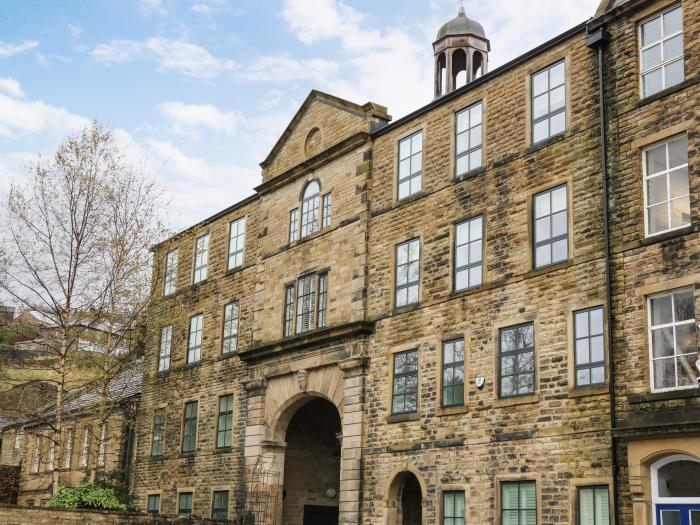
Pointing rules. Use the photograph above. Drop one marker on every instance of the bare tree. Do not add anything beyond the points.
(76, 254)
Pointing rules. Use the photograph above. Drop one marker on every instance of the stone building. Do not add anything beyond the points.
(483, 312)
(97, 436)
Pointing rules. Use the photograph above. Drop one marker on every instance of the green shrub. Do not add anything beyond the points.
(85, 496)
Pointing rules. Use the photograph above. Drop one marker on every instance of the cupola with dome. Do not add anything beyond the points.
(461, 53)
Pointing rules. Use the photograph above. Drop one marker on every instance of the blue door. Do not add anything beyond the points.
(672, 514)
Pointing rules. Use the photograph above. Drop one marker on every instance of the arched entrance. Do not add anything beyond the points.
(405, 500)
(675, 486)
(312, 465)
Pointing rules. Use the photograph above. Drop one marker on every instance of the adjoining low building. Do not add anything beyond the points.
(98, 435)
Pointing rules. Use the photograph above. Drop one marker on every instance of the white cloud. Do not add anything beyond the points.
(187, 118)
(282, 69)
(394, 67)
(19, 118)
(195, 184)
(11, 87)
(7, 49)
(171, 55)
(202, 9)
(75, 30)
(272, 99)
(152, 6)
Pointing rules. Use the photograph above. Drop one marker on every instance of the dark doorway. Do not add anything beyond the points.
(314, 515)
(312, 465)
(411, 498)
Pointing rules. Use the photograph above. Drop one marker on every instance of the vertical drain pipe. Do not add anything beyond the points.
(597, 39)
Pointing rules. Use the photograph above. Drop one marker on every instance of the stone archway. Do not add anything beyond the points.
(312, 465)
(273, 404)
(405, 499)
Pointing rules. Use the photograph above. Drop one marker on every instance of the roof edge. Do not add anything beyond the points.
(370, 109)
(208, 220)
(484, 79)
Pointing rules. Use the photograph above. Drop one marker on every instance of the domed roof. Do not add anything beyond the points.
(461, 25)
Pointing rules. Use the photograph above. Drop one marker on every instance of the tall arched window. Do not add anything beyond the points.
(309, 208)
(675, 485)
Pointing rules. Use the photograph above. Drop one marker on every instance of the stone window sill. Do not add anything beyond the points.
(660, 237)
(402, 418)
(223, 450)
(687, 393)
(239, 269)
(407, 308)
(550, 268)
(546, 142)
(227, 355)
(451, 411)
(514, 401)
(470, 174)
(469, 291)
(584, 391)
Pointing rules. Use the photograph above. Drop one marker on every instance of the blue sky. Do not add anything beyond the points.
(202, 88)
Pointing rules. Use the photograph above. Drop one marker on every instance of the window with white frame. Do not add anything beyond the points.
(549, 102)
(593, 506)
(468, 153)
(310, 208)
(102, 451)
(166, 343)
(289, 310)
(589, 347)
(322, 307)
(52, 450)
(674, 490)
(673, 338)
(201, 258)
(68, 452)
(407, 273)
(661, 51)
(469, 253)
(194, 341)
(666, 186)
(230, 335)
(294, 225)
(37, 454)
(306, 304)
(551, 227)
(410, 165)
(18, 438)
(170, 273)
(85, 451)
(236, 243)
(326, 213)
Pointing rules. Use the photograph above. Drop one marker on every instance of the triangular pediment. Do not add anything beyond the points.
(321, 122)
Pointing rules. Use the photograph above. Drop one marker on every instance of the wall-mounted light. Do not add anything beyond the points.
(480, 382)
(331, 492)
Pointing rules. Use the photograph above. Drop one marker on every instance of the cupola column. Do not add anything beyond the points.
(465, 37)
